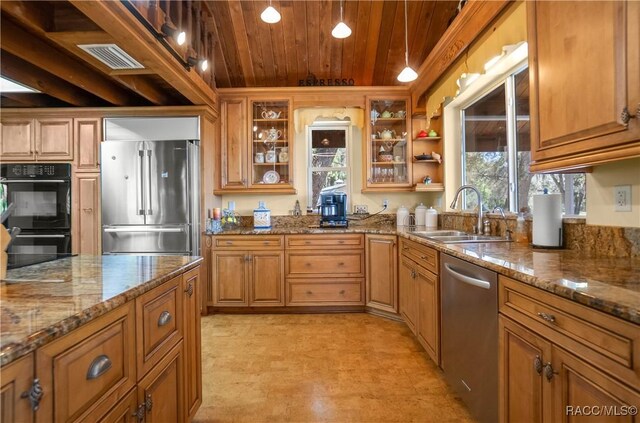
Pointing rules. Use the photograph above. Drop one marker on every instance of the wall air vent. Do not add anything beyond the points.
(112, 56)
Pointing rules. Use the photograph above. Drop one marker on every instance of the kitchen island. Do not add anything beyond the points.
(87, 337)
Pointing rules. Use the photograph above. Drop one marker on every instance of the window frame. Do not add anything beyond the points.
(329, 125)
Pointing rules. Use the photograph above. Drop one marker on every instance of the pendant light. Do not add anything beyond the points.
(341, 30)
(407, 74)
(270, 14)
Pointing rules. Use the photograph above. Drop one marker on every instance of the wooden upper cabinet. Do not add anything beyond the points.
(87, 134)
(584, 71)
(233, 143)
(16, 139)
(54, 139)
(86, 228)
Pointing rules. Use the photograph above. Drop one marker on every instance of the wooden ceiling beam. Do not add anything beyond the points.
(466, 27)
(21, 71)
(35, 16)
(131, 35)
(20, 43)
(240, 33)
(34, 100)
(375, 23)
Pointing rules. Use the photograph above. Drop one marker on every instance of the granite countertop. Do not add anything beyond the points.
(42, 302)
(608, 284)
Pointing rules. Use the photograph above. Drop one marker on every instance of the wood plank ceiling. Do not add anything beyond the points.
(39, 47)
(252, 53)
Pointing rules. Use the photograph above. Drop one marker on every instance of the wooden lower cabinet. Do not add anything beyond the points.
(247, 277)
(428, 330)
(408, 288)
(160, 392)
(381, 253)
(17, 378)
(191, 288)
(542, 382)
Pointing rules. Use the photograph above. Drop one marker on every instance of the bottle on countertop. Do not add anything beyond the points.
(402, 216)
(421, 215)
(521, 230)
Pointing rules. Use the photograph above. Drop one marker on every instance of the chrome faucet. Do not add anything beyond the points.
(507, 231)
(478, 228)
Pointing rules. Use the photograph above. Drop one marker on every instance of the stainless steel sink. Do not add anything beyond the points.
(456, 237)
(443, 232)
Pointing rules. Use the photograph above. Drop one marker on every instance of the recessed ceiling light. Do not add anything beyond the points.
(9, 86)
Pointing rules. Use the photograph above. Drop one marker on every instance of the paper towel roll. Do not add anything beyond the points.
(547, 220)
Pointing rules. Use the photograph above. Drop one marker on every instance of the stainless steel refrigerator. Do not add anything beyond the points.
(150, 172)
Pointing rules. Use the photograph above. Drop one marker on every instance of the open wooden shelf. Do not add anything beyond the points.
(432, 187)
(427, 139)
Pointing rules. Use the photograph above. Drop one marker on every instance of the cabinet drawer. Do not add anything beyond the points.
(336, 264)
(340, 292)
(606, 341)
(248, 242)
(92, 367)
(312, 242)
(421, 254)
(158, 323)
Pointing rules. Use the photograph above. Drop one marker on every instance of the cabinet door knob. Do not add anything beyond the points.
(189, 289)
(148, 402)
(341, 241)
(537, 364)
(549, 372)
(34, 394)
(342, 292)
(309, 293)
(625, 116)
(139, 413)
(341, 264)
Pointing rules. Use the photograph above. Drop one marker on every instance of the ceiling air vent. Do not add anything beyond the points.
(112, 56)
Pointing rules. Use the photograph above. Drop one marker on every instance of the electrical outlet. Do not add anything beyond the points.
(622, 198)
(385, 203)
(360, 209)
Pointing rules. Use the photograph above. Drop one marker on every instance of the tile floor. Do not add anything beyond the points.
(319, 368)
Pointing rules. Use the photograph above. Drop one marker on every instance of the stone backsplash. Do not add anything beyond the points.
(588, 239)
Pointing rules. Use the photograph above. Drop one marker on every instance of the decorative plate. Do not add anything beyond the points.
(271, 177)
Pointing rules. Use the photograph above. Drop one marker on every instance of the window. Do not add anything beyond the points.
(328, 165)
(496, 152)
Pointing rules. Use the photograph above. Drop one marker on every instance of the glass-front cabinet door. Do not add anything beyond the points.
(388, 153)
(271, 145)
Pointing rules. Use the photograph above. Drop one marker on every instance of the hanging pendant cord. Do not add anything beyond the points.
(341, 20)
(406, 37)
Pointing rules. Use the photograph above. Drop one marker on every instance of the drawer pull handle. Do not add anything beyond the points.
(537, 364)
(405, 248)
(423, 257)
(229, 242)
(34, 394)
(341, 292)
(87, 209)
(341, 242)
(98, 367)
(266, 242)
(307, 242)
(341, 264)
(189, 289)
(548, 317)
(307, 264)
(309, 293)
(165, 317)
(148, 402)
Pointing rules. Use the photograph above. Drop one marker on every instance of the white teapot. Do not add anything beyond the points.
(273, 134)
(387, 134)
(270, 114)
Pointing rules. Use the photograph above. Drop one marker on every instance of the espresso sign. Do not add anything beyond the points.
(312, 81)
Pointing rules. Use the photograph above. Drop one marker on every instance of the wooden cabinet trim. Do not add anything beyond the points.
(191, 288)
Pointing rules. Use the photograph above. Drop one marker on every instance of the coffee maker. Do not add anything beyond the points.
(333, 210)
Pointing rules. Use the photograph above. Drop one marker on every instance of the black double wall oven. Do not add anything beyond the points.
(41, 196)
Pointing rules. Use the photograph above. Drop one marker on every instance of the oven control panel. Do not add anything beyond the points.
(35, 171)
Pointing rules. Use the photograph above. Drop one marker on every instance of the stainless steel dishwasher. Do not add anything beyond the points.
(470, 334)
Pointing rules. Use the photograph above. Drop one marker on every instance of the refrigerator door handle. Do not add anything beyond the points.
(140, 199)
(143, 229)
(148, 185)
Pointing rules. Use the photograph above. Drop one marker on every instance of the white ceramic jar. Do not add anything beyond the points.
(402, 216)
(431, 218)
(421, 215)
